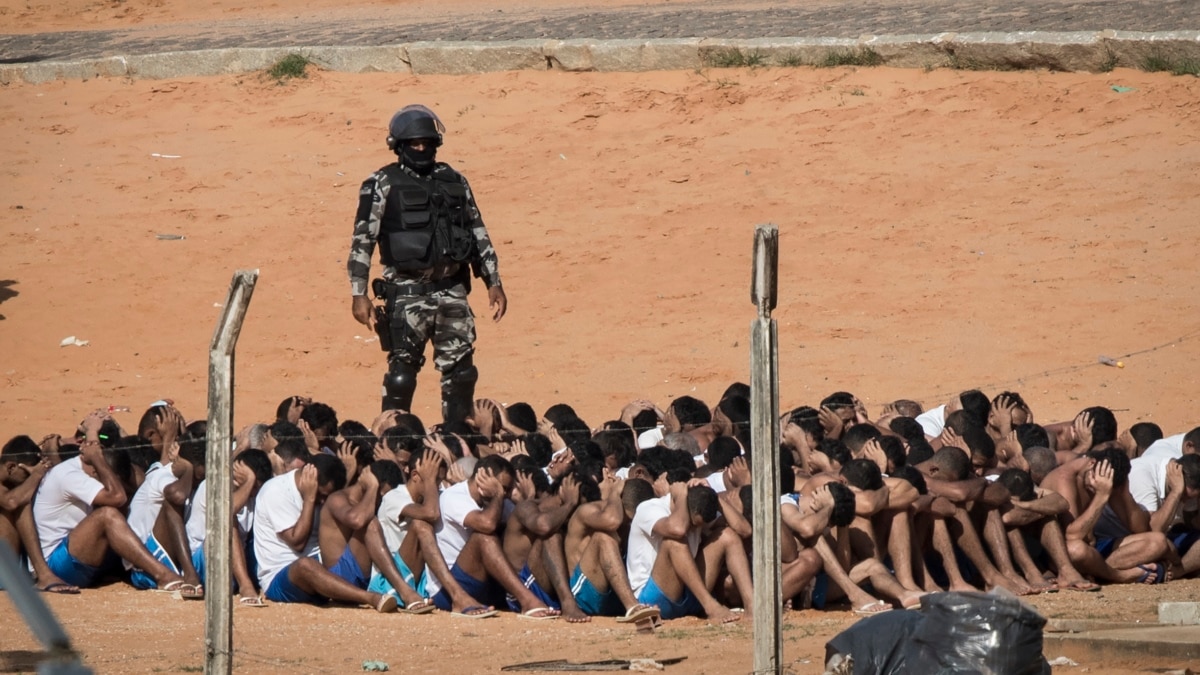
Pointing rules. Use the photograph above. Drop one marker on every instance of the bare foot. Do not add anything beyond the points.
(48, 582)
(723, 615)
(574, 615)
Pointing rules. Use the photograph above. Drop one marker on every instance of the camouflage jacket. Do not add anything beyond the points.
(372, 200)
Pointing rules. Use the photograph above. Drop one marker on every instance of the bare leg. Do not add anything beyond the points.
(241, 571)
(798, 573)
(483, 558)
(675, 570)
(610, 570)
(312, 578)
(555, 562)
(171, 534)
(420, 550)
(105, 528)
(1029, 569)
(1123, 565)
(24, 535)
(922, 529)
(884, 582)
(727, 552)
(1055, 544)
(833, 569)
(972, 547)
(997, 541)
(376, 551)
(901, 551)
(945, 548)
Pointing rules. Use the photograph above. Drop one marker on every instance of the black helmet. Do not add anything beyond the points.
(412, 122)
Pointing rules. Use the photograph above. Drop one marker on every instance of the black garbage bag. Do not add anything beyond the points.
(877, 643)
(961, 633)
(986, 633)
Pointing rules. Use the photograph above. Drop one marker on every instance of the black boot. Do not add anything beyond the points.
(458, 391)
(399, 385)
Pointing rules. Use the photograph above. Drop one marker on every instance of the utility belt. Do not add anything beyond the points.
(390, 290)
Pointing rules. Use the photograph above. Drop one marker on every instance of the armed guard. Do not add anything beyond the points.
(431, 239)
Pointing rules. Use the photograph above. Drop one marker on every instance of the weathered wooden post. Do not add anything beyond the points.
(218, 584)
(764, 420)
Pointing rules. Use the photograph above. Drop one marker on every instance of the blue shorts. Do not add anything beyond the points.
(687, 605)
(67, 568)
(591, 601)
(1105, 545)
(283, 590)
(1183, 538)
(482, 591)
(379, 584)
(145, 582)
(527, 578)
(347, 567)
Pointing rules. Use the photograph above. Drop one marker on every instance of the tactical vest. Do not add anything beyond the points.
(426, 222)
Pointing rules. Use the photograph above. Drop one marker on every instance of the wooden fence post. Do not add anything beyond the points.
(218, 582)
(764, 420)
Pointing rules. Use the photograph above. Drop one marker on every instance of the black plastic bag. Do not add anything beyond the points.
(987, 633)
(877, 643)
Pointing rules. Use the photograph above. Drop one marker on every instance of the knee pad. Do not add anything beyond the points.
(458, 390)
(399, 385)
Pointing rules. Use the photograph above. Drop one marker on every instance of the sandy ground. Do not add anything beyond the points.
(939, 231)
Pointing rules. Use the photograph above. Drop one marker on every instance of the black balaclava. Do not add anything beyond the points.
(420, 161)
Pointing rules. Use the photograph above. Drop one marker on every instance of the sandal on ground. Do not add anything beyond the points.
(422, 606)
(386, 604)
(539, 614)
(251, 601)
(873, 608)
(60, 588)
(638, 613)
(476, 612)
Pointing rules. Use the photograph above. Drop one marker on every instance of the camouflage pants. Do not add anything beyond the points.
(442, 317)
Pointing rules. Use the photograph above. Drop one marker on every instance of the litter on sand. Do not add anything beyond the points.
(642, 665)
(375, 666)
(71, 340)
(170, 237)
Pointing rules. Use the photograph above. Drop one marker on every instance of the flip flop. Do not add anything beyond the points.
(60, 588)
(476, 612)
(387, 604)
(639, 613)
(424, 606)
(254, 601)
(185, 590)
(1157, 569)
(873, 608)
(539, 614)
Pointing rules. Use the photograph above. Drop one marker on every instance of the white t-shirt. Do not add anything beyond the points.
(197, 520)
(1148, 473)
(643, 543)
(456, 504)
(147, 503)
(933, 421)
(717, 481)
(650, 438)
(63, 500)
(278, 507)
(395, 527)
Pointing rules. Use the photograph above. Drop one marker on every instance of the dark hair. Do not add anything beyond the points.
(654, 460)
(746, 497)
(1191, 471)
(787, 473)
(401, 439)
(834, 450)
(1145, 433)
(281, 411)
(914, 478)
(522, 464)
(702, 501)
(1193, 437)
(976, 405)
(195, 429)
(959, 421)
(497, 464)
(1031, 435)
(410, 423)
(736, 389)
(291, 449)
(838, 400)
(616, 443)
(22, 450)
(137, 451)
(809, 420)
(559, 412)
(194, 450)
(953, 462)
(1117, 459)
(907, 427)
(1012, 396)
(1104, 425)
(521, 416)
(863, 474)
(736, 409)
(353, 429)
(722, 451)
(258, 462)
(635, 492)
(679, 475)
(691, 412)
(467, 433)
(329, 470)
(121, 464)
(586, 450)
(645, 420)
(893, 449)
(387, 473)
(321, 418)
(149, 420)
(919, 450)
(979, 442)
(857, 435)
(69, 451)
(284, 430)
(843, 504)
(538, 447)
(1018, 482)
(110, 431)
(589, 489)
(907, 408)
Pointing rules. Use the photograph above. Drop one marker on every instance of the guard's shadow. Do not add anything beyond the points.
(7, 292)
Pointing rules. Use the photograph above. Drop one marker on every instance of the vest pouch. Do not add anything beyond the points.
(408, 249)
(415, 212)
